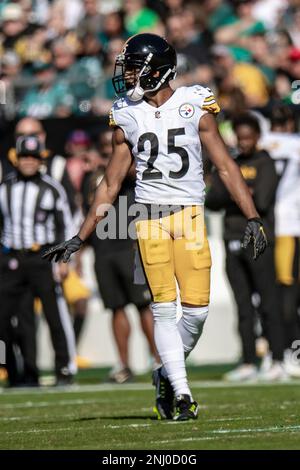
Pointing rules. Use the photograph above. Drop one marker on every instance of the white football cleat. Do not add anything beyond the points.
(266, 363)
(242, 373)
(275, 373)
(291, 364)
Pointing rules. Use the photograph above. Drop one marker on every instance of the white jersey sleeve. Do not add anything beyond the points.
(284, 148)
(204, 99)
(121, 115)
(166, 145)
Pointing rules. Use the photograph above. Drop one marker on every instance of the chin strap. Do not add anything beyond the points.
(163, 79)
(137, 93)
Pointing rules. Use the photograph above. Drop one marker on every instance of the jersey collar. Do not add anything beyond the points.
(166, 104)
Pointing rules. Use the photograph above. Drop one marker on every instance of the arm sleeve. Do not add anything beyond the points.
(265, 185)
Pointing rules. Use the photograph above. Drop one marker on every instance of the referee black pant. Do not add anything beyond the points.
(22, 272)
(247, 276)
(21, 360)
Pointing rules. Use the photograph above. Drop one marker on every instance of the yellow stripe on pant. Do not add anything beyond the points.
(173, 248)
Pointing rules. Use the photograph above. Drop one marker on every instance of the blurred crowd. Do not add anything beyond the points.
(57, 56)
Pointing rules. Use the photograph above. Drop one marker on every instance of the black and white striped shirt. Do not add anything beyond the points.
(33, 212)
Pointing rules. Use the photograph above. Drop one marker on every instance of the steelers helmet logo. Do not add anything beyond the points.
(186, 110)
(13, 264)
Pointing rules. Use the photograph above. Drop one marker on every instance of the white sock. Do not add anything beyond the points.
(191, 325)
(169, 345)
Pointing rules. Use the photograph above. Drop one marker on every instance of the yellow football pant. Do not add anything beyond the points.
(74, 288)
(287, 260)
(174, 248)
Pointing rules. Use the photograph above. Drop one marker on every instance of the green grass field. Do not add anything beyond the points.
(93, 416)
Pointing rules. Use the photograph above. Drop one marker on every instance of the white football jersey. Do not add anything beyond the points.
(166, 145)
(285, 150)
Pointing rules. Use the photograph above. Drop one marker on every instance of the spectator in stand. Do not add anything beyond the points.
(47, 98)
(246, 76)
(70, 12)
(34, 47)
(92, 21)
(114, 48)
(175, 7)
(77, 145)
(14, 26)
(113, 28)
(139, 18)
(241, 26)
(10, 66)
(190, 44)
(82, 76)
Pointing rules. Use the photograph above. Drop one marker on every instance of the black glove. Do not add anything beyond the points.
(63, 250)
(255, 233)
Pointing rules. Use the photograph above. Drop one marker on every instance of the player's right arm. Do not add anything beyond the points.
(105, 196)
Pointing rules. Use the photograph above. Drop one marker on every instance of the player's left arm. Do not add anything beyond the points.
(233, 180)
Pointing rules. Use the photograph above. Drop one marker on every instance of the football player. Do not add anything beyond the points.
(283, 144)
(163, 130)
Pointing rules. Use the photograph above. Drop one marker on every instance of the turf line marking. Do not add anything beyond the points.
(187, 439)
(245, 432)
(174, 423)
(241, 418)
(44, 404)
(218, 420)
(78, 428)
(29, 431)
(191, 439)
(139, 387)
(218, 433)
(272, 429)
(116, 426)
(12, 418)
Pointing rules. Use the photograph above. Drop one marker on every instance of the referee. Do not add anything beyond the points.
(34, 214)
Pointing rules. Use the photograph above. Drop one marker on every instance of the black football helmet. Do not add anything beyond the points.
(145, 63)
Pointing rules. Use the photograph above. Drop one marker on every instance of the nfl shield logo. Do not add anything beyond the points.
(31, 144)
(186, 110)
